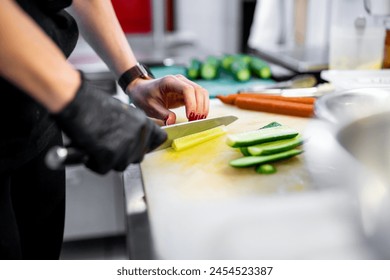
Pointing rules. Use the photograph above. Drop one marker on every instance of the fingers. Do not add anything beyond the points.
(196, 98)
(201, 98)
(160, 112)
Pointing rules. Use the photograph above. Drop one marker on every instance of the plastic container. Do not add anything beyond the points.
(356, 38)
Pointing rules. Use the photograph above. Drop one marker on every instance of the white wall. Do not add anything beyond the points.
(215, 23)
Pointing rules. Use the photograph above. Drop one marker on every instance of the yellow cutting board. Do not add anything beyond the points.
(203, 172)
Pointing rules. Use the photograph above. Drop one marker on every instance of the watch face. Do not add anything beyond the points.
(137, 71)
(146, 71)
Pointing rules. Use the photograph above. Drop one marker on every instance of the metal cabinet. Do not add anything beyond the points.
(94, 204)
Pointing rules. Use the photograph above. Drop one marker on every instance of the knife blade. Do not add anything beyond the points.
(57, 157)
(183, 129)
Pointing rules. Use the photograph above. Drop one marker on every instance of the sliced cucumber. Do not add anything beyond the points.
(257, 160)
(191, 140)
(273, 147)
(244, 151)
(266, 169)
(255, 137)
(272, 124)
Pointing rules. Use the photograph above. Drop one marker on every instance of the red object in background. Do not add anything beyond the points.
(170, 15)
(134, 15)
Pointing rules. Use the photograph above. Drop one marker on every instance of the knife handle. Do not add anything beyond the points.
(58, 157)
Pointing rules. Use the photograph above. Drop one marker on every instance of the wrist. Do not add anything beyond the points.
(64, 94)
(133, 76)
(135, 83)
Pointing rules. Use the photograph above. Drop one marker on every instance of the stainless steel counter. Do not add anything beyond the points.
(138, 235)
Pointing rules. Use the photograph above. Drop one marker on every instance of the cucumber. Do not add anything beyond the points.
(191, 140)
(240, 71)
(275, 146)
(257, 160)
(272, 124)
(209, 70)
(245, 58)
(255, 137)
(226, 62)
(213, 60)
(260, 68)
(266, 169)
(244, 151)
(193, 71)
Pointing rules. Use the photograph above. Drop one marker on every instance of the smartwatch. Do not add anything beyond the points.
(138, 71)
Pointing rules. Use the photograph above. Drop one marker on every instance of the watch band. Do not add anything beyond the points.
(135, 72)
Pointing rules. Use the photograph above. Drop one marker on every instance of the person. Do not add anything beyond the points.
(41, 94)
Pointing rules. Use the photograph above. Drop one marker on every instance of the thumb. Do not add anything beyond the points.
(171, 118)
(162, 113)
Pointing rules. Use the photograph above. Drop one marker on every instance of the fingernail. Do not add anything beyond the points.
(202, 116)
(166, 120)
(192, 115)
(198, 116)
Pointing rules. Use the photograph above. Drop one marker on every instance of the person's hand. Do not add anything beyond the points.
(155, 97)
(113, 134)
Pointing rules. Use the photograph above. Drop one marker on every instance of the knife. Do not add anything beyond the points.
(184, 129)
(58, 157)
(300, 81)
(317, 91)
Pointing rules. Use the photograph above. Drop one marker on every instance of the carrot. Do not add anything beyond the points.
(231, 98)
(275, 106)
(306, 100)
(227, 99)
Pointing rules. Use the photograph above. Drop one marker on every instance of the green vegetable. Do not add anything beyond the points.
(226, 62)
(245, 58)
(258, 160)
(255, 137)
(260, 68)
(213, 60)
(209, 69)
(272, 124)
(193, 71)
(275, 146)
(266, 169)
(191, 140)
(240, 71)
(244, 151)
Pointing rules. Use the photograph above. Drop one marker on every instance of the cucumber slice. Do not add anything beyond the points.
(256, 160)
(191, 140)
(272, 124)
(255, 137)
(244, 151)
(275, 146)
(266, 169)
